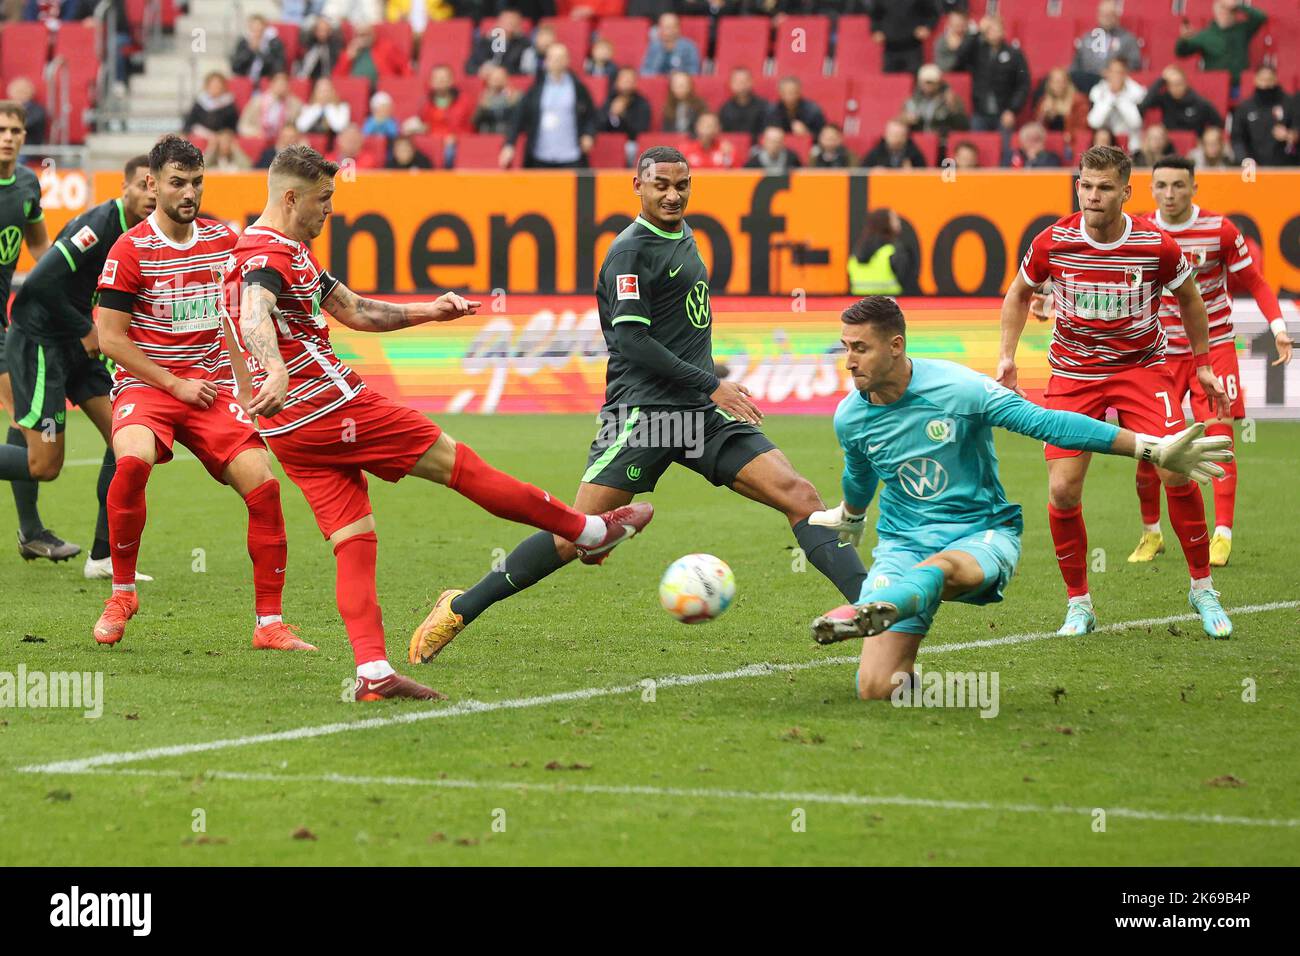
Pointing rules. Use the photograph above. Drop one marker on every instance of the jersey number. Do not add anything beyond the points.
(1229, 384)
(238, 411)
(1164, 397)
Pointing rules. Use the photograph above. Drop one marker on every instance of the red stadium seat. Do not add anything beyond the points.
(75, 44)
(960, 84)
(252, 146)
(609, 152)
(928, 144)
(573, 35)
(1013, 10)
(597, 86)
(487, 23)
(1046, 43)
(319, 142)
(478, 150)
(1158, 38)
(856, 54)
(408, 93)
(399, 34)
(831, 93)
(989, 146)
(713, 89)
(801, 54)
(375, 148)
(801, 143)
(740, 143)
(289, 35)
(241, 87)
(1214, 86)
(696, 29)
(742, 41)
(655, 90)
(24, 48)
(875, 100)
(432, 146)
(355, 91)
(300, 86)
(1184, 140)
(446, 41)
(630, 36)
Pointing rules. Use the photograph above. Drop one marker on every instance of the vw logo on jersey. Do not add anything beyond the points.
(923, 478)
(11, 241)
(697, 305)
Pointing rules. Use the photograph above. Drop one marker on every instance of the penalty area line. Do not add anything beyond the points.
(588, 693)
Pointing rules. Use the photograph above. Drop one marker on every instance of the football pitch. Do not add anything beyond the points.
(585, 726)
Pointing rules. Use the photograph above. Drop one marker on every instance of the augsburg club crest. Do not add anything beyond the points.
(697, 305)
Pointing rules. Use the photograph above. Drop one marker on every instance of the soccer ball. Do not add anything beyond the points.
(697, 588)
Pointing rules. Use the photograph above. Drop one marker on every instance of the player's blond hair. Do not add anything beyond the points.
(300, 164)
(1102, 158)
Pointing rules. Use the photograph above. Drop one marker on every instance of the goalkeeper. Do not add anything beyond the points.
(924, 428)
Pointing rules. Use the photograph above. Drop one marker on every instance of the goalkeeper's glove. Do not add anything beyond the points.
(842, 520)
(1188, 452)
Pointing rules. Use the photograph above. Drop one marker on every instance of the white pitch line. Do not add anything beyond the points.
(84, 462)
(481, 707)
(707, 793)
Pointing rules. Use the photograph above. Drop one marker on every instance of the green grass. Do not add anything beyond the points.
(1139, 719)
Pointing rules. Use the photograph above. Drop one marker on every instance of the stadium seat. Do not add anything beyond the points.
(609, 151)
(597, 86)
(432, 146)
(1184, 140)
(1214, 85)
(300, 86)
(398, 33)
(630, 36)
(742, 41)
(23, 49)
(1046, 43)
(375, 148)
(75, 45)
(574, 35)
(989, 146)
(696, 29)
(961, 84)
(856, 54)
(252, 146)
(487, 23)
(1014, 10)
(876, 99)
(809, 58)
(928, 144)
(740, 143)
(801, 143)
(713, 89)
(408, 93)
(1157, 38)
(355, 91)
(831, 93)
(319, 142)
(290, 35)
(1084, 12)
(446, 41)
(241, 88)
(478, 150)
(646, 140)
(655, 90)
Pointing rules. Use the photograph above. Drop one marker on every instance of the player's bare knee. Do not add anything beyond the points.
(44, 469)
(875, 686)
(1062, 493)
(800, 497)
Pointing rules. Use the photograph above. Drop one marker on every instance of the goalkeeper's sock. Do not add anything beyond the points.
(841, 564)
(917, 591)
(1225, 488)
(532, 559)
(1070, 537)
(1148, 489)
(1187, 515)
(507, 497)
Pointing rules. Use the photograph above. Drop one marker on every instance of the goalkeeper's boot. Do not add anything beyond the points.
(1149, 545)
(1079, 620)
(279, 636)
(118, 609)
(391, 687)
(846, 621)
(437, 630)
(620, 524)
(1214, 619)
(47, 545)
(1220, 550)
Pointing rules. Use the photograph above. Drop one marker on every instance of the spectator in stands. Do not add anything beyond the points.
(879, 262)
(557, 117)
(381, 121)
(1155, 145)
(495, 103)
(1063, 109)
(325, 112)
(966, 155)
(224, 155)
(999, 78)
(708, 150)
(601, 62)
(955, 48)
(355, 12)
(829, 151)
(52, 12)
(626, 110)
(771, 154)
(793, 111)
(682, 106)
(534, 59)
(419, 13)
(402, 154)
(213, 109)
(669, 51)
(743, 112)
(259, 52)
(1117, 101)
(1103, 43)
(1103, 137)
(371, 57)
(1225, 43)
(1032, 153)
(300, 12)
(895, 149)
(321, 50)
(1180, 106)
(22, 90)
(726, 8)
(269, 110)
(901, 27)
(446, 110)
(1212, 150)
(349, 147)
(508, 52)
(648, 8)
(288, 136)
(1264, 124)
(934, 107)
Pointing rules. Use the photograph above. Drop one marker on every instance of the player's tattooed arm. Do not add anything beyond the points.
(257, 329)
(375, 315)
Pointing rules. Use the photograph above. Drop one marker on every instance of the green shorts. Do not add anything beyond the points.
(46, 375)
(636, 445)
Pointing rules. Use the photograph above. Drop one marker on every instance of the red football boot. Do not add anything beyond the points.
(279, 637)
(118, 609)
(620, 524)
(393, 686)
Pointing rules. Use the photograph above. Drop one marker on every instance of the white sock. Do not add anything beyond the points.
(265, 619)
(123, 587)
(1151, 528)
(1223, 531)
(1202, 584)
(1084, 599)
(375, 670)
(593, 533)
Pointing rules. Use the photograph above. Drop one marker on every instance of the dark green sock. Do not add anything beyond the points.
(13, 463)
(531, 560)
(841, 565)
(25, 492)
(100, 549)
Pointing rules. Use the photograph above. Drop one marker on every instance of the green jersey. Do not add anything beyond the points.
(656, 278)
(20, 206)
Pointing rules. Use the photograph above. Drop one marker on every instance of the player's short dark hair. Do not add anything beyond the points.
(1107, 157)
(660, 154)
(302, 162)
(176, 150)
(1176, 162)
(134, 163)
(878, 311)
(14, 108)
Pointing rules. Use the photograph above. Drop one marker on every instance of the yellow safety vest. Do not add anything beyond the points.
(875, 276)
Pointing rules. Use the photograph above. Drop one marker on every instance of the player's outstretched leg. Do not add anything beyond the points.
(887, 664)
(1225, 501)
(1152, 542)
(916, 593)
(1070, 537)
(34, 539)
(126, 518)
(1187, 515)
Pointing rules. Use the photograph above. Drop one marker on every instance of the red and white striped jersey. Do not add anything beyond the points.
(173, 293)
(1214, 246)
(318, 381)
(1107, 295)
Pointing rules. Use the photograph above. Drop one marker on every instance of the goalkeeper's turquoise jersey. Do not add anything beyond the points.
(933, 450)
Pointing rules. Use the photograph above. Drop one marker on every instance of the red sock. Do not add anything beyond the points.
(1071, 540)
(357, 597)
(506, 497)
(1148, 486)
(1187, 515)
(267, 546)
(1225, 488)
(126, 512)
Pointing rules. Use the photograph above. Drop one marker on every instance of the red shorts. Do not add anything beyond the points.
(1223, 362)
(327, 458)
(217, 434)
(1145, 399)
